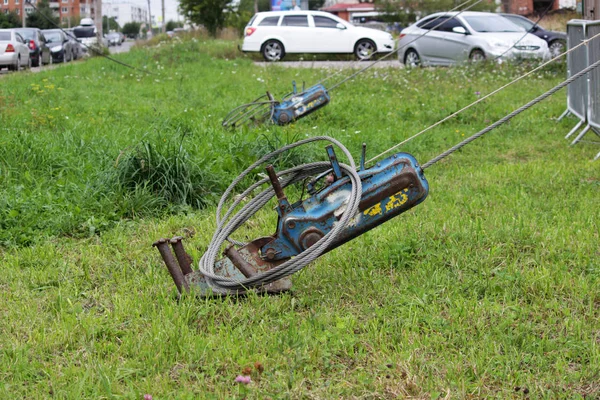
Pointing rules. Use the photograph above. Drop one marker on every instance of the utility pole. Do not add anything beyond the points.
(149, 19)
(164, 23)
(98, 19)
(23, 11)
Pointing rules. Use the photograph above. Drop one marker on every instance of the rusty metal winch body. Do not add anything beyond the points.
(389, 188)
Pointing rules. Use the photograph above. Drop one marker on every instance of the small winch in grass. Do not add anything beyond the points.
(265, 108)
(341, 204)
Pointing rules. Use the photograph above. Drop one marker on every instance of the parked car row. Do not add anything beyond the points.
(439, 39)
(32, 47)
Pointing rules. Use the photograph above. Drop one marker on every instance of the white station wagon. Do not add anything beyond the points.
(276, 33)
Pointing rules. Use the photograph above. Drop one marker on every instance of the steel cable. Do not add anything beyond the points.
(550, 5)
(583, 43)
(230, 221)
(511, 115)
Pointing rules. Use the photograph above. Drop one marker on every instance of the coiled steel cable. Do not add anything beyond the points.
(230, 221)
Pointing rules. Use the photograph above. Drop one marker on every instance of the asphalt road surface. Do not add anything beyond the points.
(390, 62)
(123, 48)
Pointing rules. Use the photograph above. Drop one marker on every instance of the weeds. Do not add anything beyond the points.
(162, 172)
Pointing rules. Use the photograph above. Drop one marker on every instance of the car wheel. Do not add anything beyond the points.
(556, 48)
(364, 49)
(412, 59)
(477, 56)
(273, 50)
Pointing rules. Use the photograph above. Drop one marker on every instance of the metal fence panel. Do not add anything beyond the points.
(594, 76)
(577, 60)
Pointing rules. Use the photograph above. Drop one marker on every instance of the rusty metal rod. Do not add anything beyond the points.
(167, 256)
(275, 182)
(244, 266)
(183, 258)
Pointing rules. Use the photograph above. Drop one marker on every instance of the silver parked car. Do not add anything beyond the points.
(14, 53)
(469, 36)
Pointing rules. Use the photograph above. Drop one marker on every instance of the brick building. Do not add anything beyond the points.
(69, 11)
(528, 7)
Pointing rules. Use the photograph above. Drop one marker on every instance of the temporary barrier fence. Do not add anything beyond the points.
(583, 95)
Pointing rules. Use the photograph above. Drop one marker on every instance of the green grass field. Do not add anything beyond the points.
(489, 289)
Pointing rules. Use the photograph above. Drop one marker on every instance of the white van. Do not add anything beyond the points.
(87, 34)
(276, 33)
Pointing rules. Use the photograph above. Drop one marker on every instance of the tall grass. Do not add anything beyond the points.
(489, 289)
(167, 172)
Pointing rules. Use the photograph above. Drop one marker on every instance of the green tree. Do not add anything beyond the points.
(131, 29)
(238, 18)
(111, 23)
(315, 4)
(42, 16)
(10, 20)
(209, 13)
(174, 24)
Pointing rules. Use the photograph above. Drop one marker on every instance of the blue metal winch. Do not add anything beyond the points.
(293, 106)
(389, 188)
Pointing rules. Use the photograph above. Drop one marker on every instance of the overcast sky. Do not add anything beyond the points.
(155, 5)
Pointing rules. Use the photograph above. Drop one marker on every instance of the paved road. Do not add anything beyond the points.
(123, 48)
(392, 62)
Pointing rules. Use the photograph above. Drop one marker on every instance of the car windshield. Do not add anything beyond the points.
(522, 22)
(52, 36)
(27, 34)
(492, 23)
(5, 36)
(84, 31)
(113, 35)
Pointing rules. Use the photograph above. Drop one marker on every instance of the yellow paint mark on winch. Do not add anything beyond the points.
(373, 211)
(395, 200)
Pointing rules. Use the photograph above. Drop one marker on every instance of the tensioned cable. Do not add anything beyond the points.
(403, 46)
(511, 115)
(550, 4)
(415, 39)
(89, 48)
(583, 43)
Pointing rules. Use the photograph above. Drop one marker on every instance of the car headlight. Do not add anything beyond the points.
(56, 48)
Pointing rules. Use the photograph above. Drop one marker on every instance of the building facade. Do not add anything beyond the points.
(125, 12)
(69, 11)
